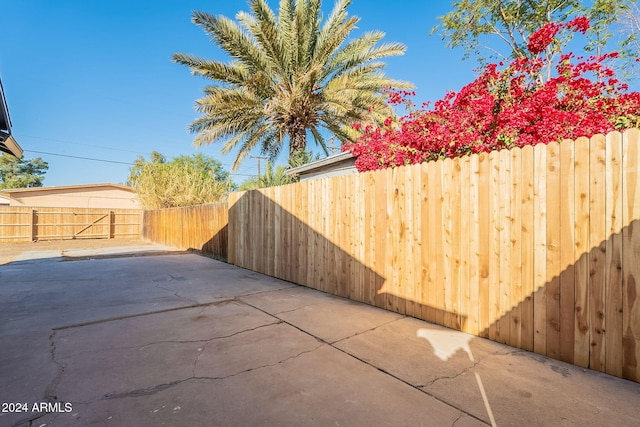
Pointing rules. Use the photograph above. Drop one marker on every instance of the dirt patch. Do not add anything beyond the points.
(10, 250)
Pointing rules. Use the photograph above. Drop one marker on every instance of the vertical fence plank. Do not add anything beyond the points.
(452, 317)
(472, 309)
(434, 238)
(484, 249)
(631, 254)
(425, 196)
(405, 282)
(448, 190)
(370, 240)
(567, 257)
(414, 244)
(435, 178)
(313, 275)
(527, 237)
(597, 248)
(552, 283)
(391, 233)
(494, 245)
(504, 323)
(613, 261)
(515, 273)
(540, 249)
(464, 242)
(581, 337)
(381, 206)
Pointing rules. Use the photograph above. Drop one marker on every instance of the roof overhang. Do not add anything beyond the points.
(327, 161)
(7, 143)
(11, 146)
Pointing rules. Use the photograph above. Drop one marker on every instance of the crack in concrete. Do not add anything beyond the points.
(451, 377)
(175, 292)
(161, 387)
(143, 391)
(457, 419)
(206, 340)
(297, 308)
(50, 395)
(369, 330)
(268, 365)
(148, 313)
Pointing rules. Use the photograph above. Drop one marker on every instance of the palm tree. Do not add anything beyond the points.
(290, 75)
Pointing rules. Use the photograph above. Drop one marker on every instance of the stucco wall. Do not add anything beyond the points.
(113, 198)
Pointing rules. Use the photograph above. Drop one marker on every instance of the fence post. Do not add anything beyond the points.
(34, 225)
(112, 231)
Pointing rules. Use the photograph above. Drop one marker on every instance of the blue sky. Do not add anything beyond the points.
(94, 79)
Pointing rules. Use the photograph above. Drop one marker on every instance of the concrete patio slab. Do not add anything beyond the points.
(185, 340)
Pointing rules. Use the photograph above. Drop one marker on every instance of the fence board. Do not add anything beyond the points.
(613, 262)
(552, 288)
(581, 248)
(567, 257)
(463, 239)
(503, 331)
(631, 252)
(484, 256)
(452, 238)
(434, 233)
(515, 273)
(597, 246)
(472, 309)
(528, 233)
(494, 245)
(438, 236)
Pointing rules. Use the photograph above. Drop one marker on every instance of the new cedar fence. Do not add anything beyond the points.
(30, 224)
(538, 247)
(202, 228)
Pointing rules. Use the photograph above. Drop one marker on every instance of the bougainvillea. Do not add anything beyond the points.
(514, 106)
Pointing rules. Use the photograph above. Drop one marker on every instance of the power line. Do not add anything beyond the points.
(95, 146)
(86, 145)
(79, 157)
(109, 161)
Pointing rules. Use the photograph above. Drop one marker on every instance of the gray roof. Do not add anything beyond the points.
(7, 143)
(336, 158)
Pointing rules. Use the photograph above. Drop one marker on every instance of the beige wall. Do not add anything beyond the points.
(112, 198)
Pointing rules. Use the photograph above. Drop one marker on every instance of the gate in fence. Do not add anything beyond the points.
(31, 224)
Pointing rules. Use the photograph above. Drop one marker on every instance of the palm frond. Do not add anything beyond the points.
(288, 73)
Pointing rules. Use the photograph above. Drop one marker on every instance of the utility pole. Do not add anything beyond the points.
(333, 145)
(259, 157)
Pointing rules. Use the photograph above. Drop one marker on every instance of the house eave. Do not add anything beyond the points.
(11, 146)
(336, 158)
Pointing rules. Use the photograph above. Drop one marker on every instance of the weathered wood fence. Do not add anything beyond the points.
(538, 248)
(29, 224)
(202, 227)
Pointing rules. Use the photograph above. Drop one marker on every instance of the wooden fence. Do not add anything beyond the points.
(30, 224)
(202, 227)
(538, 248)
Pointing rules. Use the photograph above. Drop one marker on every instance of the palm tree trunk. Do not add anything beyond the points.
(297, 141)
